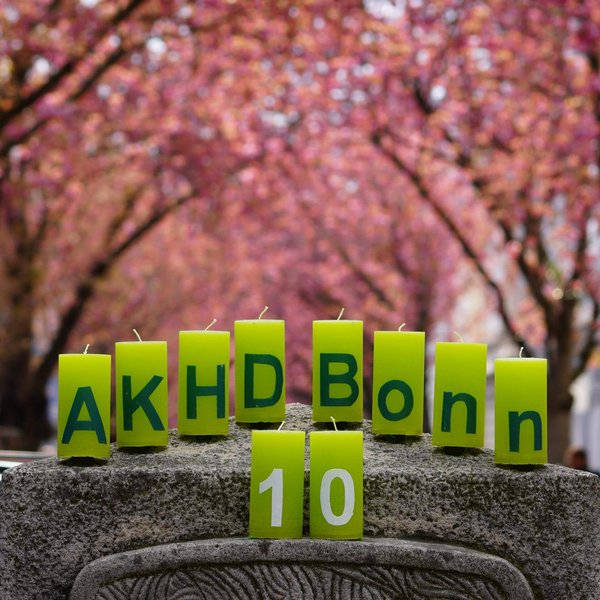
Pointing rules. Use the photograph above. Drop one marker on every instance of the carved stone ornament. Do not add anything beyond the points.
(303, 569)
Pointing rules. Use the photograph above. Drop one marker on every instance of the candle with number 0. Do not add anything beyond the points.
(521, 420)
(398, 381)
(338, 371)
(83, 405)
(260, 371)
(459, 395)
(277, 484)
(336, 485)
(203, 382)
(142, 398)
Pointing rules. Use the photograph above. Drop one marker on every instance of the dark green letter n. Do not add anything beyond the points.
(515, 420)
(449, 400)
(84, 397)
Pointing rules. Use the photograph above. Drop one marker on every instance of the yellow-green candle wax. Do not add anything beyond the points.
(459, 395)
(338, 371)
(260, 371)
(336, 485)
(277, 484)
(521, 421)
(398, 381)
(203, 399)
(83, 405)
(142, 393)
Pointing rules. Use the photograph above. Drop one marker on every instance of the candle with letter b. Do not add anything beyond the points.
(336, 485)
(338, 370)
(521, 420)
(277, 484)
(83, 405)
(459, 395)
(142, 398)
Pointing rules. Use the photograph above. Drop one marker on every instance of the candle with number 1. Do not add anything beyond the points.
(277, 484)
(83, 405)
(142, 398)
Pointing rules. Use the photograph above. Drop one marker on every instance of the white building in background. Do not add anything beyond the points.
(585, 416)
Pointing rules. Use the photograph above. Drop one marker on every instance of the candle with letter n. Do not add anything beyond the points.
(336, 485)
(260, 370)
(203, 407)
(459, 395)
(277, 484)
(142, 394)
(521, 420)
(398, 381)
(338, 370)
(83, 405)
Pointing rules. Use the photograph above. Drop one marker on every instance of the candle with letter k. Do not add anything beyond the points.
(142, 396)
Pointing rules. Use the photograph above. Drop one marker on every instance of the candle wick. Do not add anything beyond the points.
(86, 349)
(137, 334)
(521, 352)
(210, 324)
(460, 337)
(341, 313)
(334, 425)
(279, 428)
(401, 326)
(265, 309)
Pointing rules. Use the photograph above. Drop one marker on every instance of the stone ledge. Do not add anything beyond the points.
(302, 569)
(57, 517)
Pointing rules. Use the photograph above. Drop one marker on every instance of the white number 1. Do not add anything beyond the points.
(274, 482)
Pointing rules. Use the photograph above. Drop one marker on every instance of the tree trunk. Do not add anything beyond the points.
(558, 435)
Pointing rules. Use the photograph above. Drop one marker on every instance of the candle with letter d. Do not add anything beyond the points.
(260, 371)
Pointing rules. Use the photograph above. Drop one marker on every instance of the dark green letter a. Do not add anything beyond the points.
(84, 397)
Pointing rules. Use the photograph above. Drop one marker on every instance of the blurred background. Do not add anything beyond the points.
(164, 162)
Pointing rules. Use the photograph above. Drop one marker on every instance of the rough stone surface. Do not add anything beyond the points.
(58, 516)
(300, 569)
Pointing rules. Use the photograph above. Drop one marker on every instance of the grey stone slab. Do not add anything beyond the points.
(56, 517)
(300, 569)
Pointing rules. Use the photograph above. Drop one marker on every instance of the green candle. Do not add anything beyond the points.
(521, 411)
(259, 371)
(142, 393)
(336, 485)
(398, 381)
(83, 405)
(338, 371)
(203, 399)
(277, 484)
(459, 395)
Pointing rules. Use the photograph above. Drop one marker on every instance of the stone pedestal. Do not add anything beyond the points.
(173, 523)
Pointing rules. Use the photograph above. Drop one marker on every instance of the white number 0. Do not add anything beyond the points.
(348, 482)
(274, 482)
